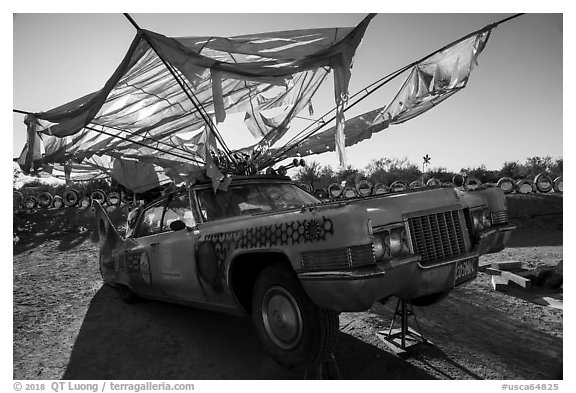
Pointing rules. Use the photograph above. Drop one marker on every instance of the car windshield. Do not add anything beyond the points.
(251, 198)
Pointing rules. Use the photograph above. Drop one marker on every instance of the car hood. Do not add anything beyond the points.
(390, 208)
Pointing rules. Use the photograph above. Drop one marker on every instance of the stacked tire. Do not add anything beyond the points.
(525, 186)
(30, 203)
(114, 198)
(71, 197)
(506, 184)
(99, 196)
(379, 189)
(558, 184)
(45, 200)
(364, 188)
(398, 186)
(433, 182)
(544, 183)
(335, 190)
(57, 202)
(416, 184)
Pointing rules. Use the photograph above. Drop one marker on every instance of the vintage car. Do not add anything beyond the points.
(266, 247)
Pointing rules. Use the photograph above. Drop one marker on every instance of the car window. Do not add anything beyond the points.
(251, 198)
(178, 209)
(151, 220)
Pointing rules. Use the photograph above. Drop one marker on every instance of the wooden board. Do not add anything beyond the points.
(515, 278)
(493, 272)
(507, 265)
(499, 284)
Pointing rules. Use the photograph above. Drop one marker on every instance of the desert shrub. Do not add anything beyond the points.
(440, 173)
(315, 174)
(388, 170)
(482, 173)
(350, 176)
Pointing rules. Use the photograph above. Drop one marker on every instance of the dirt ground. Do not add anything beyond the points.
(67, 325)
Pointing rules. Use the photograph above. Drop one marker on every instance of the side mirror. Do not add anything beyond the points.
(177, 225)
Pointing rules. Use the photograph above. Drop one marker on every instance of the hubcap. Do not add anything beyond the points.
(282, 318)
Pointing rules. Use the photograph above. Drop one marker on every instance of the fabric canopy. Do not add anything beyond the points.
(429, 82)
(147, 115)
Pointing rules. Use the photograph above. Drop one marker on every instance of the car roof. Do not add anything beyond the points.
(247, 179)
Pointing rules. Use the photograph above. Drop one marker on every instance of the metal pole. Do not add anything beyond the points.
(132, 21)
(404, 326)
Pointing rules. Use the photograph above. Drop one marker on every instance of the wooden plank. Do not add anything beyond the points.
(507, 265)
(499, 284)
(515, 278)
(525, 272)
(493, 272)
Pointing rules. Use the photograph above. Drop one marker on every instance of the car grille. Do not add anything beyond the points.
(338, 258)
(437, 237)
(499, 217)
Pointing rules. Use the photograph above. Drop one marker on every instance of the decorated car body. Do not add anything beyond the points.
(268, 248)
(238, 241)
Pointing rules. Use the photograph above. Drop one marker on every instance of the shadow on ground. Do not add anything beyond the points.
(465, 321)
(69, 226)
(153, 340)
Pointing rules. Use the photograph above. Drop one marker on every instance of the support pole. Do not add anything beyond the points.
(132, 21)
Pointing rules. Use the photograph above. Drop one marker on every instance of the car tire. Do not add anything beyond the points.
(294, 331)
(525, 186)
(85, 202)
(543, 183)
(127, 295)
(506, 184)
(30, 203)
(45, 200)
(558, 184)
(379, 189)
(415, 184)
(433, 182)
(398, 186)
(428, 300)
(71, 198)
(57, 202)
(335, 190)
(113, 198)
(100, 196)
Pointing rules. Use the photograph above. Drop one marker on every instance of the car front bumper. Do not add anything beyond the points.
(494, 239)
(357, 289)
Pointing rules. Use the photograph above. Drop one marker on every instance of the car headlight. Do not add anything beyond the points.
(370, 228)
(481, 219)
(391, 243)
(379, 247)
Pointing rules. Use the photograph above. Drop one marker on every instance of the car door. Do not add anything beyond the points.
(175, 263)
(141, 255)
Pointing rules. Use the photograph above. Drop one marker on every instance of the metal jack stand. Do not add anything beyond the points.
(402, 339)
(328, 369)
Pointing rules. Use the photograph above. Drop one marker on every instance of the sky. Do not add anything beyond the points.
(510, 110)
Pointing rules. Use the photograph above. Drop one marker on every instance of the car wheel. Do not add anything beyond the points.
(127, 295)
(428, 300)
(297, 333)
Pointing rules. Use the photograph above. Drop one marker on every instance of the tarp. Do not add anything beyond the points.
(144, 114)
(428, 83)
